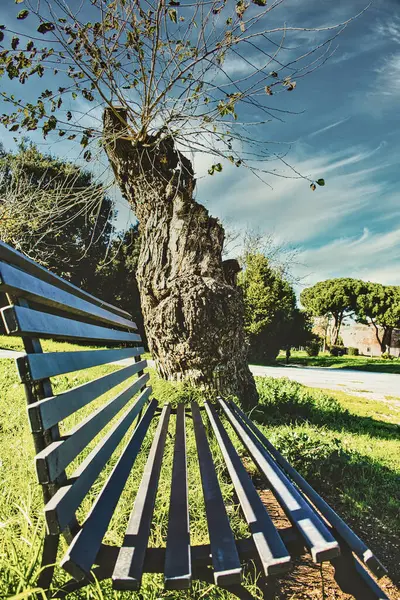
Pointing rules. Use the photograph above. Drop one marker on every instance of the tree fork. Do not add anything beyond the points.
(192, 309)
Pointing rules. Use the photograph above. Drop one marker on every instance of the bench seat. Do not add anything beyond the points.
(90, 464)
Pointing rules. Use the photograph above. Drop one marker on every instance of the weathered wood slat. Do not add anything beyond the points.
(225, 558)
(9, 255)
(46, 413)
(34, 367)
(317, 538)
(61, 508)
(24, 321)
(178, 566)
(130, 563)
(274, 557)
(82, 553)
(354, 542)
(18, 283)
(51, 461)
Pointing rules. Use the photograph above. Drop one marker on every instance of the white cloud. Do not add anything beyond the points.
(372, 256)
(291, 209)
(331, 126)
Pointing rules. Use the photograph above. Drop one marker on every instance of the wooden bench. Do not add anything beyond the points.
(42, 305)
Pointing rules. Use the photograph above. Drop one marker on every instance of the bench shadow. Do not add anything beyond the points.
(360, 489)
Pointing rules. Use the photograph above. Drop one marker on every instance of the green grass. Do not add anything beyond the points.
(359, 363)
(349, 452)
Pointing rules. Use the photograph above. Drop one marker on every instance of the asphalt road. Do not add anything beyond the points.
(374, 386)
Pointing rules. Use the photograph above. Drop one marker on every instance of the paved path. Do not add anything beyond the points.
(10, 354)
(374, 386)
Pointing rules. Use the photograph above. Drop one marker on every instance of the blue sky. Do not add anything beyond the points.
(348, 132)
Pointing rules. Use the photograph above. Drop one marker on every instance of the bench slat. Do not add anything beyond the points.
(46, 413)
(354, 542)
(225, 558)
(178, 566)
(12, 256)
(19, 283)
(317, 538)
(82, 553)
(33, 367)
(274, 557)
(33, 323)
(61, 508)
(128, 570)
(51, 461)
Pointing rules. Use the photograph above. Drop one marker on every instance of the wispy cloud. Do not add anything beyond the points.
(336, 124)
(372, 256)
(290, 209)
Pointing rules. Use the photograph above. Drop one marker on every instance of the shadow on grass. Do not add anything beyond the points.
(364, 492)
(305, 427)
(283, 401)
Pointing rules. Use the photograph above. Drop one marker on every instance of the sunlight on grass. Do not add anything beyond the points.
(347, 447)
(359, 363)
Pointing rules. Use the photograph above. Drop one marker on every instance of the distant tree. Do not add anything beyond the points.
(33, 188)
(379, 305)
(334, 298)
(270, 306)
(161, 72)
(80, 246)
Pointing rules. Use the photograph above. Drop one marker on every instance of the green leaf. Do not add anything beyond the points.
(45, 27)
(1, 36)
(19, 1)
(14, 43)
(23, 14)
(173, 15)
(260, 2)
(14, 127)
(321, 182)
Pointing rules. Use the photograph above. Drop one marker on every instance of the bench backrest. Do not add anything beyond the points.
(45, 306)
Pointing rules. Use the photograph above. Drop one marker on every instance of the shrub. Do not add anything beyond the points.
(337, 350)
(313, 348)
(352, 351)
(387, 356)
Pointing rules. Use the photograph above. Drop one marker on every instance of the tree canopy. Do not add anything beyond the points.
(53, 211)
(270, 307)
(167, 64)
(365, 301)
(79, 245)
(379, 305)
(335, 298)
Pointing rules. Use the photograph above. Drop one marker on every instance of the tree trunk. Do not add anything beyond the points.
(387, 338)
(335, 329)
(193, 311)
(380, 341)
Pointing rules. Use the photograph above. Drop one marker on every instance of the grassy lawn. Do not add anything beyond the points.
(350, 452)
(360, 363)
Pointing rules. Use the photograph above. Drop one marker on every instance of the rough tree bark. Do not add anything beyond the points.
(192, 308)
